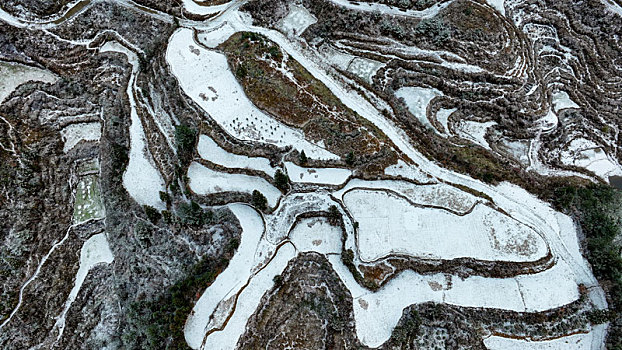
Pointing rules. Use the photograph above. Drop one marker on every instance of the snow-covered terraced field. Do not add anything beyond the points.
(210, 151)
(205, 181)
(74, 133)
(327, 176)
(141, 179)
(14, 75)
(205, 76)
(389, 224)
(435, 221)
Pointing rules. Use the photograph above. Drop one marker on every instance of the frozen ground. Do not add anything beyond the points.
(417, 100)
(389, 225)
(297, 20)
(326, 176)
(587, 154)
(14, 75)
(74, 133)
(94, 251)
(474, 131)
(205, 181)
(141, 179)
(205, 76)
(209, 150)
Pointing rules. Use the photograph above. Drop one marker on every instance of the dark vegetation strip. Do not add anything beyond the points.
(598, 208)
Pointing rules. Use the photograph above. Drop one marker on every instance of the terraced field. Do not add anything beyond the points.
(311, 174)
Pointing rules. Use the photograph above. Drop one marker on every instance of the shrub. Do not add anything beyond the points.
(152, 213)
(185, 138)
(259, 201)
(302, 158)
(281, 180)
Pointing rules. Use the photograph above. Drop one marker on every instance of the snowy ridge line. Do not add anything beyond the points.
(535, 339)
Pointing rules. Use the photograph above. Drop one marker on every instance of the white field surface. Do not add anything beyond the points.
(571, 342)
(14, 75)
(443, 117)
(408, 171)
(141, 179)
(587, 154)
(205, 181)
(364, 68)
(561, 100)
(326, 176)
(498, 5)
(209, 150)
(72, 134)
(205, 76)
(474, 131)
(377, 313)
(316, 235)
(94, 251)
(297, 20)
(417, 100)
(391, 225)
(436, 195)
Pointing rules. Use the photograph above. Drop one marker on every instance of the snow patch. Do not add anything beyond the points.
(417, 100)
(74, 133)
(297, 20)
(205, 181)
(15, 74)
(326, 176)
(94, 251)
(141, 179)
(209, 150)
(474, 131)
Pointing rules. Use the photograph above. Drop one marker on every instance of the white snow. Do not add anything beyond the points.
(326, 176)
(209, 150)
(364, 68)
(15, 74)
(205, 181)
(434, 195)
(74, 133)
(94, 251)
(391, 225)
(297, 20)
(213, 38)
(499, 5)
(407, 171)
(205, 76)
(317, 235)
(249, 300)
(390, 10)
(417, 100)
(561, 100)
(574, 342)
(474, 131)
(591, 156)
(443, 117)
(613, 7)
(141, 179)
